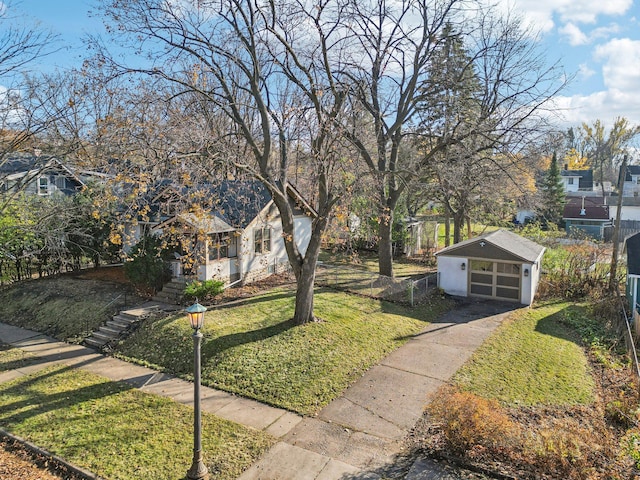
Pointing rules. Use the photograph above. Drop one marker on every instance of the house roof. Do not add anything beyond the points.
(594, 208)
(233, 204)
(204, 224)
(631, 170)
(585, 178)
(26, 168)
(502, 240)
(632, 247)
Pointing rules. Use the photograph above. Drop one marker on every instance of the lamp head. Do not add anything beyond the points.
(196, 315)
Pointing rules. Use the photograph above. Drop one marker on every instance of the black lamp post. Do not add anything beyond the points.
(198, 470)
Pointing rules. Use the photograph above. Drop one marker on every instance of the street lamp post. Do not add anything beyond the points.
(198, 470)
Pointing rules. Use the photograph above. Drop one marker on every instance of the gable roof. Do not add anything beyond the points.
(206, 224)
(503, 240)
(24, 169)
(234, 204)
(585, 178)
(594, 208)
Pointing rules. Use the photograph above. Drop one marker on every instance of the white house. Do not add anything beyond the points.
(498, 265)
(631, 185)
(577, 180)
(240, 239)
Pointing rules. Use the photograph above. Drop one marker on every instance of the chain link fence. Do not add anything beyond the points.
(354, 280)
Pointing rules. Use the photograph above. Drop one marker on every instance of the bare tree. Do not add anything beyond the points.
(270, 69)
(400, 44)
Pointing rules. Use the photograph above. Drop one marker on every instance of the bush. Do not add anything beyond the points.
(468, 420)
(203, 290)
(146, 267)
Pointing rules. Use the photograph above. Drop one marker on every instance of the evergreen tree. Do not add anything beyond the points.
(553, 196)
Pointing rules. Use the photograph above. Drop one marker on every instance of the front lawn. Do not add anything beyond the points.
(534, 359)
(255, 351)
(546, 396)
(117, 431)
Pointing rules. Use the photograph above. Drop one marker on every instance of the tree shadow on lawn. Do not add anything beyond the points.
(562, 324)
(40, 403)
(216, 345)
(460, 311)
(259, 298)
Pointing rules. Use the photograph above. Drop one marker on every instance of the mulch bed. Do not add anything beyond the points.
(17, 462)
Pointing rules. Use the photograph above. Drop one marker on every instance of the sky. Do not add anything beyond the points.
(596, 41)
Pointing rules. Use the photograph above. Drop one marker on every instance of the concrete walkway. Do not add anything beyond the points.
(357, 436)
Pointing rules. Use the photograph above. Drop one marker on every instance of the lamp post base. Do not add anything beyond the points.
(198, 470)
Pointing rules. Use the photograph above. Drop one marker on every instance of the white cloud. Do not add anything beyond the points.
(585, 11)
(621, 64)
(606, 106)
(620, 59)
(577, 36)
(544, 14)
(585, 72)
(574, 34)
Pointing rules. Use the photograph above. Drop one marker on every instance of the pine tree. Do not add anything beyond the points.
(553, 196)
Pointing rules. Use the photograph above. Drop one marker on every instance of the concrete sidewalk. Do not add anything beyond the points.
(357, 436)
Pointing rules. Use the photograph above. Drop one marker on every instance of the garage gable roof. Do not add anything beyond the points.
(502, 241)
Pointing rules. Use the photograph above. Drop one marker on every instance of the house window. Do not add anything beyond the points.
(262, 240)
(43, 186)
(570, 181)
(222, 245)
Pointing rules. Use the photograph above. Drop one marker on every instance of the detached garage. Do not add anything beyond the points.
(499, 265)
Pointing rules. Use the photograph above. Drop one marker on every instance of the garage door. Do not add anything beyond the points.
(494, 280)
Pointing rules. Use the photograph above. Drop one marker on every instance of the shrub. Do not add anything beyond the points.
(146, 267)
(468, 420)
(562, 452)
(203, 290)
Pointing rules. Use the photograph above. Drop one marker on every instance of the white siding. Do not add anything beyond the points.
(629, 212)
(451, 278)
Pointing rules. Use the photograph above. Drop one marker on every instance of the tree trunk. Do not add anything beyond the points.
(458, 224)
(385, 246)
(304, 292)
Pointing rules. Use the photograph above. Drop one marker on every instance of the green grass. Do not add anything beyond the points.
(54, 306)
(534, 359)
(476, 228)
(119, 432)
(255, 351)
(13, 358)
(402, 267)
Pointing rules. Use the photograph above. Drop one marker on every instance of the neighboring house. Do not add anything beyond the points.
(42, 176)
(631, 185)
(240, 238)
(630, 208)
(577, 180)
(589, 215)
(499, 265)
(524, 216)
(632, 249)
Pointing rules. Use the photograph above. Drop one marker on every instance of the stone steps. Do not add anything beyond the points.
(172, 292)
(119, 325)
